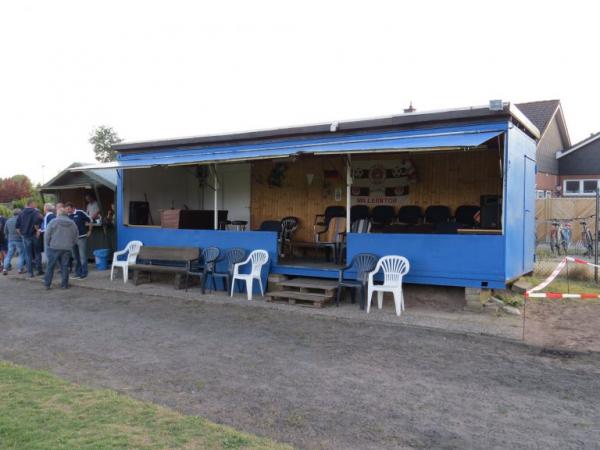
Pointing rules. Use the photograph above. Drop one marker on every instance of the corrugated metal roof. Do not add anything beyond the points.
(87, 177)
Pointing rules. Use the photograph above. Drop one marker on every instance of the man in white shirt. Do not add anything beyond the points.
(92, 209)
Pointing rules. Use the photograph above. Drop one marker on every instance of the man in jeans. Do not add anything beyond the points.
(28, 226)
(61, 236)
(15, 243)
(84, 229)
(3, 241)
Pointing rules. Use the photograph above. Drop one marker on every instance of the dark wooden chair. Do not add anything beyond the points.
(383, 215)
(362, 263)
(331, 239)
(322, 220)
(359, 212)
(410, 214)
(436, 214)
(465, 215)
(289, 225)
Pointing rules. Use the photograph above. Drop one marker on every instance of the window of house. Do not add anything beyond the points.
(572, 187)
(580, 187)
(540, 194)
(589, 186)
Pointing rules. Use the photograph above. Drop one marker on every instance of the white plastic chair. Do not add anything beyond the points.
(258, 258)
(132, 249)
(394, 268)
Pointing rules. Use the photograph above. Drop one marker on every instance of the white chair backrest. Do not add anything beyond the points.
(259, 258)
(133, 248)
(394, 268)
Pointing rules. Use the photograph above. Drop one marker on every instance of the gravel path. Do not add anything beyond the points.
(315, 382)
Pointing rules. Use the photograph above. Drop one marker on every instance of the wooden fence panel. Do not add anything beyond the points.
(548, 209)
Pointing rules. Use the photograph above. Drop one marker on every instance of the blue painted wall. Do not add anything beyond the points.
(441, 259)
(519, 203)
(249, 240)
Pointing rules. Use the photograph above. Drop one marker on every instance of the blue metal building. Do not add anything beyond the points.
(471, 259)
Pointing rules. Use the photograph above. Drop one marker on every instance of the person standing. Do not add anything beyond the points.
(28, 226)
(49, 215)
(61, 236)
(15, 243)
(91, 207)
(84, 228)
(3, 241)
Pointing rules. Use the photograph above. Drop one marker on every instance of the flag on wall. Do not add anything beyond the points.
(382, 182)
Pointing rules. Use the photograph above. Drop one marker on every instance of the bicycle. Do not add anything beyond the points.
(587, 239)
(560, 237)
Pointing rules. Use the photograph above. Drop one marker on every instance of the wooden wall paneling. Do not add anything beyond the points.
(451, 178)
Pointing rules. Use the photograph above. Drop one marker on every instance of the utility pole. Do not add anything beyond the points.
(596, 235)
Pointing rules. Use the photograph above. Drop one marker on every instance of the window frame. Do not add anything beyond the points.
(580, 190)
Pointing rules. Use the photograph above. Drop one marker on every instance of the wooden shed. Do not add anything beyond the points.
(73, 183)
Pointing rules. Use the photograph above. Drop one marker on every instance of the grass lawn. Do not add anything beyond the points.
(561, 284)
(40, 411)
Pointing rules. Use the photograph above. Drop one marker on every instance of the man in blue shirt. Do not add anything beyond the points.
(28, 227)
(3, 240)
(84, 231)
(15, 243)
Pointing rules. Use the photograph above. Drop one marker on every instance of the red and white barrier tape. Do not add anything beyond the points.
(533, 293)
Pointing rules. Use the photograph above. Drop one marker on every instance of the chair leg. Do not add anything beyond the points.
(125, 274)
(262, 291)
(203, 283)
(249, 283)
(232, 286)
(398, 302)
(362, 297)
(401, 298)
(369, 295)
(112, 269)
(379, 299)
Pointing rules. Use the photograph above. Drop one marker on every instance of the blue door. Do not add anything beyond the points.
(528, 215)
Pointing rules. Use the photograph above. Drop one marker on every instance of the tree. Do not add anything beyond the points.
(103, 138)
(15, 187)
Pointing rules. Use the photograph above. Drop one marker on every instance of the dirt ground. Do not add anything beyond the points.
(315, 382)
(570, 324)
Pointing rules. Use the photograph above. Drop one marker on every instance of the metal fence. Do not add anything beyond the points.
(565, 226)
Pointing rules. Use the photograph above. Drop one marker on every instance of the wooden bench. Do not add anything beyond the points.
(169, 260)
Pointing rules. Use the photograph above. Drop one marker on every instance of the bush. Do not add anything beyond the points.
(5, 211)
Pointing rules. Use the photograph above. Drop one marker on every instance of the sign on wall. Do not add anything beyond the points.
(382, 182)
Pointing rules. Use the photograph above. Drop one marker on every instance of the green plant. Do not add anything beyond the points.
(5, 211)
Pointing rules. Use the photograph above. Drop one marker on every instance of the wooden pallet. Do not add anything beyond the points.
(312, 292)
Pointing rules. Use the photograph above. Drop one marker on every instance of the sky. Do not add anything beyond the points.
(157, 69)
